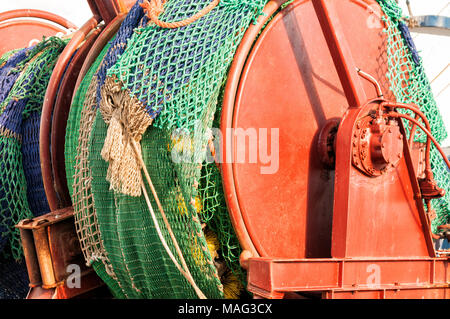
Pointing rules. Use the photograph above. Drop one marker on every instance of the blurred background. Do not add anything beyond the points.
(432, 43)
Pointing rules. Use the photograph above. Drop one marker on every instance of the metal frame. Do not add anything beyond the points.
(22, 26)
(61, 114)
(50, 245)
(419, 273)
(47, 110)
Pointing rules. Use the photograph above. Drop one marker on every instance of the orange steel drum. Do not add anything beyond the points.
(306, 226)
(58, 98)
(19, 27)
(78, 39)
(290, 79)
(78, 68)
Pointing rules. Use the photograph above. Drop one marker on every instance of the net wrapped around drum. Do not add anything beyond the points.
(24, 98)
(24, 76)
(410, 84)
(80, 121)
(10, 70)
(14, 279)
(134, 19)
(177, 74)
(81, 116)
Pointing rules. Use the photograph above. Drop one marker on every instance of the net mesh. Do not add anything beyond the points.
(189, 191)
(409, 84)
(175, 78)
(24, 76)
(21, 190)
(80, 121)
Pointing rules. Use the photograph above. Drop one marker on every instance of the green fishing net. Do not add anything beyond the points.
(190, 65)
(176, 78)
(83, 106)
(410, 84)
(21, 190)
(74, 118)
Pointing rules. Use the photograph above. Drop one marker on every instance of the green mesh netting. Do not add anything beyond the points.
(139, 261)
(73, 121)
(85, 219)
(19, 120)
(410, 84)
(178, 76)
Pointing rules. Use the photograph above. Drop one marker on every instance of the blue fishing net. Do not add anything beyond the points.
(24, 77)
(134, 19)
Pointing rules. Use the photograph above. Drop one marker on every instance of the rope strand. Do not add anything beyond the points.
(185, 271)
(154, 8)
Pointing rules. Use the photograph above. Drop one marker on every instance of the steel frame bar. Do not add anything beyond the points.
(48, 106)
(271, 278)
(32, 13)
(340, 52)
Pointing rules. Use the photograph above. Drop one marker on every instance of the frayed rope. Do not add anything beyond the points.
(126, 119)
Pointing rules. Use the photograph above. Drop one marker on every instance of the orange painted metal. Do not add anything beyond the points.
(19, 27)
(226, 123)
(60, 115)
(48, 107)
(106, 35)
(33, 13)
(80, 65)
(307, 95)
(109, 9)
(381, 277)
(56, 253)
(306, 227)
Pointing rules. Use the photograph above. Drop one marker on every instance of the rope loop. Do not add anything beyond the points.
(154, 8)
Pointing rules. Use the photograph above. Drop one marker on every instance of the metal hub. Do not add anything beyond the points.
(377, 146)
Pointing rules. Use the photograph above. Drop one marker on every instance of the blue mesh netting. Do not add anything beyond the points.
(31, 165)
(14, 279)
(117, 46)
(24, 78)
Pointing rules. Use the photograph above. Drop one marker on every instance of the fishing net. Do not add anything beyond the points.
(78, 174)
(162, 88)
(190, 64)
(21, 190)
(409, 84)
(80, 121)
(14, 278)
(24, 76)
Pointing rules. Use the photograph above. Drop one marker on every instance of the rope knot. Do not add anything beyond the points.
(127, 121)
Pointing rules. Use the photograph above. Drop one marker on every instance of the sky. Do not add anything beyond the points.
(434, 49)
